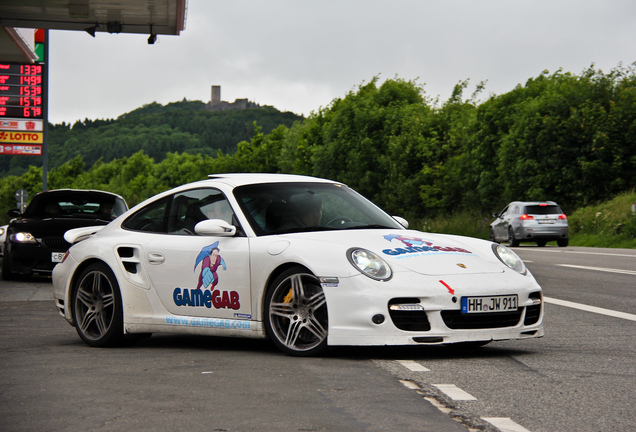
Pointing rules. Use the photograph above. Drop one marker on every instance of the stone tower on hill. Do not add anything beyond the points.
(216, 104)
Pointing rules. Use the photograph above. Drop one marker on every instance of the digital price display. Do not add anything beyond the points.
(21, 90)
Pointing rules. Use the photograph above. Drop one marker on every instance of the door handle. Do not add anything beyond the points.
(156, 258)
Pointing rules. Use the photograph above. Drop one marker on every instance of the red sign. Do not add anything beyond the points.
(21, 125)
(21, 90)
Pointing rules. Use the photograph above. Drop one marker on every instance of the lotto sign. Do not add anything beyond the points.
(21, 137)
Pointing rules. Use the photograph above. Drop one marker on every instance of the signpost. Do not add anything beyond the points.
(21, 113)
(22, 196)
(23, 106)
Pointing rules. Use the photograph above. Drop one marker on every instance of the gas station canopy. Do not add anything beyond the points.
(151, 17)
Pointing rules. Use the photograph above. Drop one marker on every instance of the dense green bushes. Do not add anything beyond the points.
(562, 137)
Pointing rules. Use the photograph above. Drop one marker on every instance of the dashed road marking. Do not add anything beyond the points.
(594, 309)
(454, 392)
(505, 424)
(413, 366)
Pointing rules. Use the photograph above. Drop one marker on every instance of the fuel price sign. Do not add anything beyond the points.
(21, 90)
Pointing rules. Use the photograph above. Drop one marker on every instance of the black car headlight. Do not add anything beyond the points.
(369, 264)
(509, 258)
(23, 237)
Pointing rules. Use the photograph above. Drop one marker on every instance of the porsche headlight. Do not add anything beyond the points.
(369, 264)
(23, 237)
(509, 258)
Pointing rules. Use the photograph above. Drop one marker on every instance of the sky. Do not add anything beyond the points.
(300, 55)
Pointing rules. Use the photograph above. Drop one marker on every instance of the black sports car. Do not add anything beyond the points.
(34, 240)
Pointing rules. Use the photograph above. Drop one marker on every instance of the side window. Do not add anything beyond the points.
(191, 207)
(149, 219)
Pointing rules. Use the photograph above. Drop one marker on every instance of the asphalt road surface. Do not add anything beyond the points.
(580, 377)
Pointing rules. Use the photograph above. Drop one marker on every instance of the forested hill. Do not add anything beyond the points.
(183, 127)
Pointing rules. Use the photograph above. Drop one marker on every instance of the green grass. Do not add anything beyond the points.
(609, 224)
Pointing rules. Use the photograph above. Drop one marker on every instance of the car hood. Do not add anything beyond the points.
(409, 250)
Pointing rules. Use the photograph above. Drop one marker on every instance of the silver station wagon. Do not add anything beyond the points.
(536, 221)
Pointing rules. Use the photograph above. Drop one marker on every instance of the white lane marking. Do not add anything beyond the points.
(603, 269)
(505, 424)
(454, 392)
(594, 309)
(577, 252)
(410, 385)
(413, 366)
(601, 253)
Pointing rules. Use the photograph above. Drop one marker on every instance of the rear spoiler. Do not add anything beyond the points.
(76, 235)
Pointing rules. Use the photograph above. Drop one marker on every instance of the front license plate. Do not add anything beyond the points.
(504, 303)
(57, 257)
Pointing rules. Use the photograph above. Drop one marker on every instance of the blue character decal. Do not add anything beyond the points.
(211, 260)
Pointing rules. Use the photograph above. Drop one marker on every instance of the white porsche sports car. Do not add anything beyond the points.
(307, 262)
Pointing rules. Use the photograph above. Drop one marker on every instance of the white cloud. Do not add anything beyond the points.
(300, 55)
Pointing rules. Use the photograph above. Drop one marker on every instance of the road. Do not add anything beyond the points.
(579, 377)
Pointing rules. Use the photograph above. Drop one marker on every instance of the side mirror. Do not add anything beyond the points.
(14, 213)
(401, 221)
(215, 227)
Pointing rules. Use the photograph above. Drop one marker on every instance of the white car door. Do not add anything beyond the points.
(200, 275)
(195, 275)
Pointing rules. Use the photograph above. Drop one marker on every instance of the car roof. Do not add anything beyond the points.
(240, 179)
(526, 203)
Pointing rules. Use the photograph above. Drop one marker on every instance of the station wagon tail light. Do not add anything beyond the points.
(563, 217)
(369, 264)
(525, 217)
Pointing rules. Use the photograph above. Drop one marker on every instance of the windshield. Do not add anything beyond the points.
(543, 209)
(75, 204)
(274, 208)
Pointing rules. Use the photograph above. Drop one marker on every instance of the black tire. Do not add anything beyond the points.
(492, 236)
(296, 313)
(97, 309)
(563, 242)
(512, 241)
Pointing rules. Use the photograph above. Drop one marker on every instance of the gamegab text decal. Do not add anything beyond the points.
(206, 294)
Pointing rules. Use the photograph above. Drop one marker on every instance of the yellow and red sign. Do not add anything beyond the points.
(21, 137)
